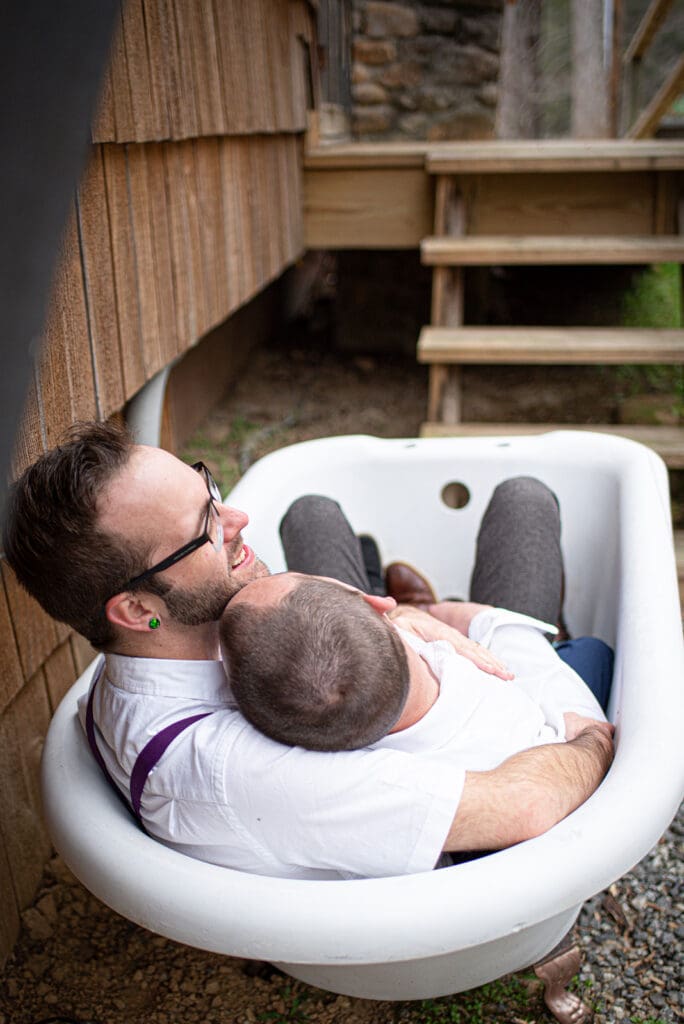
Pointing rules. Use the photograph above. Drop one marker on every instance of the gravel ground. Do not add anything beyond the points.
(77, 959)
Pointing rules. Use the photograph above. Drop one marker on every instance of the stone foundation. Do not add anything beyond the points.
(425, 70)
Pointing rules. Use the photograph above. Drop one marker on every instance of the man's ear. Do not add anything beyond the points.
(379, 604)
(132, 611)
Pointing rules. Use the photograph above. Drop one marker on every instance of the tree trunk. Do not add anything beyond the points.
(589, 75)
(518, 110)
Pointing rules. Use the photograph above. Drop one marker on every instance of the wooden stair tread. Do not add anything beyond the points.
(668, 442)
(485, 250)
(559, 345)
(555, 155)
(497, 156)
(365, 155)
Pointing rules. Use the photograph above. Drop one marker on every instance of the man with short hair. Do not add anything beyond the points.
(135, 550)
(312, 663)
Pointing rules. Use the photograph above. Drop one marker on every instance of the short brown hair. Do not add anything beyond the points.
(51, 536)
(320, 669)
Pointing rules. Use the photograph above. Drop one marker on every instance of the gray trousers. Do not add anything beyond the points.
(518, 562)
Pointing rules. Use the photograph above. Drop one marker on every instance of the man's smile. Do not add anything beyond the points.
(244, 557)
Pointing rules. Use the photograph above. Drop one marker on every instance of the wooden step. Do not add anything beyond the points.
(509, 250)
(667, 442)
(559, 345)
(573, 156)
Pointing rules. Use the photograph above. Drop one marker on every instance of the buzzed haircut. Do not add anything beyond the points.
(319, 669)
(51, 536)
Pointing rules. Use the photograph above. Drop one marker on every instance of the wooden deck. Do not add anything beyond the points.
(501, 157)
(381, 195)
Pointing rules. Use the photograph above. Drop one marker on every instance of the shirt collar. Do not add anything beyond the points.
(168, 677)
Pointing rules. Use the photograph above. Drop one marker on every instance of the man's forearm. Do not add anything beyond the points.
(530, 792)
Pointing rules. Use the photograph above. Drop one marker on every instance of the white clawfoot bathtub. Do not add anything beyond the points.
(444, 931)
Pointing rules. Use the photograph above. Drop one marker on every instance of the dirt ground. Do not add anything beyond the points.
(307, 391)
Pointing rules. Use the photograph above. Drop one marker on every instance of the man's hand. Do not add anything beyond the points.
(531, 791)
(577, 724)
(428, 627)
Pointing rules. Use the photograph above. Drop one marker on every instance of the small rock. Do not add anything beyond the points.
(38, 927)
(374, 51)
(406, 73)
(442, 22)
(368, 120)
(390, 19)
(46, 905)
(366, 364)
(360, 73)
(368, 93)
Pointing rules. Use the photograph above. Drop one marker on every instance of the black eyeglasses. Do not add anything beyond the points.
(212, 533)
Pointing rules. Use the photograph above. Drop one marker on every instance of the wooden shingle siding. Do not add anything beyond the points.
(60, 672)
(167, 240)
(9, 919)
(124, 277)
(35, 632)
(11, 673)
(185, 69)
(23, 834)
(98, 277)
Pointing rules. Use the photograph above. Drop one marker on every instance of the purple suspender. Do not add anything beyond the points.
(148, 757)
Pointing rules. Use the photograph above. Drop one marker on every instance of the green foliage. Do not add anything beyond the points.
(473, 1007)
(240, 428)
(221, 450)
(655, 299)
(582, 987)
(291, 1010)
(647, 1020)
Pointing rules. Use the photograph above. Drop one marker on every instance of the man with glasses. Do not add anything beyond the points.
(136, 551)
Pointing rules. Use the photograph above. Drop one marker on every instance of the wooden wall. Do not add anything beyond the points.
(190, 206)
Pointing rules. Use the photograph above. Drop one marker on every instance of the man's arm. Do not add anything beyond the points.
(530, 792)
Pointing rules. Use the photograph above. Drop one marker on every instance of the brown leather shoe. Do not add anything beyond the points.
(406, 585)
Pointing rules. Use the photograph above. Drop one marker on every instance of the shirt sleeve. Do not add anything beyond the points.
(368, 813)
(520, 642)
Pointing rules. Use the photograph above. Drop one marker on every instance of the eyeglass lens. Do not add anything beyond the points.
(214, 525)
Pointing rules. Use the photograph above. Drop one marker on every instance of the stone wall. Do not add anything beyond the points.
(425, 70)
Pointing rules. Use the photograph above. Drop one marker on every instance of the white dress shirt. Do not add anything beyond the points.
(226, 794)
(480, 719)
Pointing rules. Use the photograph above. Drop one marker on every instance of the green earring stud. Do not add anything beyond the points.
(155, 623)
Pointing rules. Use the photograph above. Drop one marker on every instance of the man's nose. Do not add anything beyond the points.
(233, 521)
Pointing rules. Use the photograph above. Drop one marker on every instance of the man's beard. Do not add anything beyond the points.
(203, 604)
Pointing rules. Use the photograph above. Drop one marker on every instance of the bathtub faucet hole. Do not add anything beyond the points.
(455, 495)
